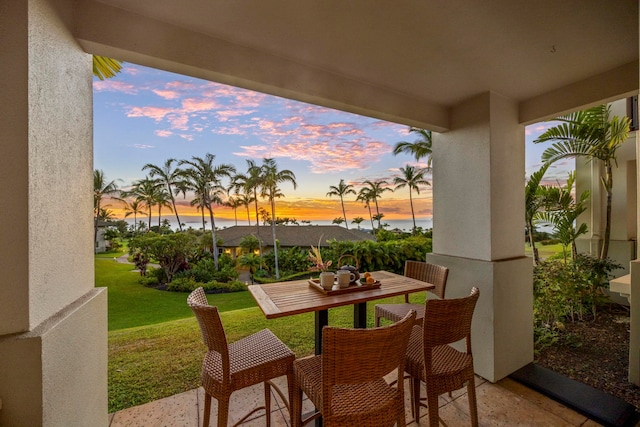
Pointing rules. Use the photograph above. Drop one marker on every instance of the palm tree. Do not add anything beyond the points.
(249, 183)
(171, 178)
(101, 189)
(339, 220)
(341, 190)
(364, 195)
(534, 201)
(245, 199)
(593, 134)
(252, 261)
(562, 212)
(269, 188)
(146, 191)
(133, 208)
(205, 180)
(412, 178)
(376, 189)
(357, 220)
(233, 203)
(419, 149)
(162, 200)
(105, 68)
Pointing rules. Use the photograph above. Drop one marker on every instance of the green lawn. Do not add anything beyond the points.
(155, 346)
(544, 251)
(132, 305)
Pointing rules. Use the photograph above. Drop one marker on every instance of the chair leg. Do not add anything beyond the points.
(401, 421)
(377, 321)
(415, 394)
(473, 406)
(432, 401)
(207, 410)
(291, 393)
(223, 411)
(267, 402)
(296, 407)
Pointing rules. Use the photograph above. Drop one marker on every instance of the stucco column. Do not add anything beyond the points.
(53, 329)
(478, 228)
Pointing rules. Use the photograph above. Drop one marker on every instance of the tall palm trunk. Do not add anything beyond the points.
(248, 216)
(377, 213)
(255, 195)
(213, 237)
(344, 213)
(149, 218)
(532, 242)
(370, 216)
(413, 215)
(173, 204)
(608, 184)
(273, 234)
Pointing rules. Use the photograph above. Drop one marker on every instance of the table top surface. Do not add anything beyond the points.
(295, 297)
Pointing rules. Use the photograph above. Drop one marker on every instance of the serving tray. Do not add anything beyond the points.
(356, 287)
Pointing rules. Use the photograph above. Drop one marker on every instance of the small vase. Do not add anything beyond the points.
(326, 280)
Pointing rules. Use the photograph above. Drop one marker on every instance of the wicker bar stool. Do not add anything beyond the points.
(229, 367)
(345, 382)
(431, 273)
(431, 359)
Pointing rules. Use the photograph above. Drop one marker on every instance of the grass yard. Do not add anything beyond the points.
(155, 345)
(544, 251)
(132, 305)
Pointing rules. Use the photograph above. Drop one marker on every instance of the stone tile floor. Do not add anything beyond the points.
(505, 403)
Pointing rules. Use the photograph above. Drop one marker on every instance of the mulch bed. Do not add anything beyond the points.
(596, 352)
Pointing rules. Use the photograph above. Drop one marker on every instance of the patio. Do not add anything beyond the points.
(505, 403)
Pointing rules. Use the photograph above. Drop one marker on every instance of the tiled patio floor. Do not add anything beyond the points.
(505, 403)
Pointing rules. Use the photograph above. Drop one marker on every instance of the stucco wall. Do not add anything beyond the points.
(53, 322)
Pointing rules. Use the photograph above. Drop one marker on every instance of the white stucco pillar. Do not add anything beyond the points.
(53, 322)
(478, 232)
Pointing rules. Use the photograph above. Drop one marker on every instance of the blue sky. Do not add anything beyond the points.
(145, 115)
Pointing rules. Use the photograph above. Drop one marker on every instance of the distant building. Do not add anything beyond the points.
(289, 236)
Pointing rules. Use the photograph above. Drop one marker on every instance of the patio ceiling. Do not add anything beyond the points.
(407, 61)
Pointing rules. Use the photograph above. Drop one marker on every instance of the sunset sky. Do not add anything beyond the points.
(148, 116)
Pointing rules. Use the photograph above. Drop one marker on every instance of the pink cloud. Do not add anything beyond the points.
(178, 121)
(166, 94)
(163, 133)
(222, 130)
(114, 86)
(156, 113)
(192, 104)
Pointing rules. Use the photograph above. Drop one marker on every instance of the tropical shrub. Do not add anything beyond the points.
(188, 284)
(567, 292)
(172, 251)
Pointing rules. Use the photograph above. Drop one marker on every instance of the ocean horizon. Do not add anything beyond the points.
(196, 223)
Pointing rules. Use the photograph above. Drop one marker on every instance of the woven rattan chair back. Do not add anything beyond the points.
(257, 358)
(210, 325)
(361, 356)
(354, 356)
(441, 366)
(427, 272)
(449, 320)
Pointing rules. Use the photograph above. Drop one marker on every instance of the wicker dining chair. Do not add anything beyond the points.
(431, 273)
(346, 382)
(431, 359)
(229, 367)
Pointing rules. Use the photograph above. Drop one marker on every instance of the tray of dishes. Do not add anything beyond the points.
(359, 285)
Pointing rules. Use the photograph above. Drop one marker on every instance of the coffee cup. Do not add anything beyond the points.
(326, 280)
(345, 277)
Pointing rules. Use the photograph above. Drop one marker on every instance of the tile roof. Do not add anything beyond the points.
(292, 235)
